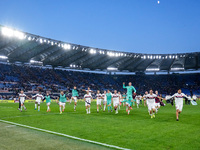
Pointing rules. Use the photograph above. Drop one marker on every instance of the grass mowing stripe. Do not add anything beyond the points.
(65, 135)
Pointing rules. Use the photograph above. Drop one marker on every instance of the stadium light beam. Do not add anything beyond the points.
(112, 68)
(12, 33)
(180, 68)
(7, 32)
(3, 57)
(152, 69)
(66, 46)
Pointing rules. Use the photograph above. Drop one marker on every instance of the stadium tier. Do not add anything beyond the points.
(13, 78)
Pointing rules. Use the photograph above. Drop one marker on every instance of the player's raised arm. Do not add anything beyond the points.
(171, 97)
(143, 97)
(186, 96)
(124, 85)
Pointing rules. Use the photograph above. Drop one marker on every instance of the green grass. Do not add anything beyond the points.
(134, 131)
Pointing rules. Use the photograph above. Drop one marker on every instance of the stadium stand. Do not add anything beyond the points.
(31, 79)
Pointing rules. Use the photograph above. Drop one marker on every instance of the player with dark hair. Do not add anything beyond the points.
(179, 102)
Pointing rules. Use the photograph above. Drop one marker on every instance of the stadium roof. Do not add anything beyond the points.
(29, 48)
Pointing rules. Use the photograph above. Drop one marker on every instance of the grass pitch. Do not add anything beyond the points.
(134, 131)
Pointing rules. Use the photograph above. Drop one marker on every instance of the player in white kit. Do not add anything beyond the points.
(39, 97)
(150, 98)
(104, 100)
(99, 99)
(87, 98)
(115, 97)
(22, 98)
(179, 102)
(144, 98)
(194, 98)
(138, 98)
(120, 100)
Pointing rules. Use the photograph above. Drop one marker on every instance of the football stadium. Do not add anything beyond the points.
(56, 94)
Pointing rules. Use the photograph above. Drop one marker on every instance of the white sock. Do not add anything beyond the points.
(87, 111)
(24, 106)
(104, 107)
(60, 108)
(97, 109)
(48, 108)
(116, 110)
(38, 107)
(35, 106)
(21, 107)
(128, 111)
(126, 107)
(119, 106)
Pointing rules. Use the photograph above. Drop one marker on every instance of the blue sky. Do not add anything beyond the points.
(141, 26)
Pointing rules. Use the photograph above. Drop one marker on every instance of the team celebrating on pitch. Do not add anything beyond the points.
(109, 99)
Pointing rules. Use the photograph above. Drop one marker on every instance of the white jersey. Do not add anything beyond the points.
(194, 97)
(120, 97)
(22, 97)
(88, 98)
(144, 96)
(104, 97)
(99, 96)
(179, 98)
(39, 97)
(168, 97)
(115, 97)
(138, 97)
(150, 98)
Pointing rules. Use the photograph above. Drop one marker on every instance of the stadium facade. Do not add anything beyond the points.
(26, 48)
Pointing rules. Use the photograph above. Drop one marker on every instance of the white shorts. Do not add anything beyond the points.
(22, 101)
(115, 103)
(157, 104)
(87, 103)
(151, 106)
(128, 104)
(179, 107)
(98, 101)
(48, 103)
(138, 101)
(62, 104)
(75, 99)
(38, 101)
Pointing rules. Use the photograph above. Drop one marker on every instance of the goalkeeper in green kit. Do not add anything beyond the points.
(129, 97)
(74, 96)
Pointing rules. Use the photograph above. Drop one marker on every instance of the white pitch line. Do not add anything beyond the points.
(65, 135)
(40, 115)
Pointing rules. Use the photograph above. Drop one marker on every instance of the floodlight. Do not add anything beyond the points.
(7, 32)
(3, 57)
(111, 68)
